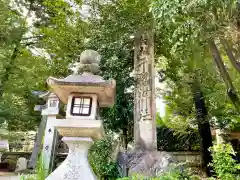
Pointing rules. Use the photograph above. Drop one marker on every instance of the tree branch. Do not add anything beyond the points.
(32, 37)
(226, 77)
(28, 43)
(9, 69)
(230, 55)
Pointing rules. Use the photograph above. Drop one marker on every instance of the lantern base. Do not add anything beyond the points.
(76, 165)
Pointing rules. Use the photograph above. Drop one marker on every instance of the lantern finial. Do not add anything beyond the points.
(88, 62)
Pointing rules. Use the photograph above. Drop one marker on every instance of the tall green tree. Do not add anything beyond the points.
(111, 35)
(18, 69)
(193, 30)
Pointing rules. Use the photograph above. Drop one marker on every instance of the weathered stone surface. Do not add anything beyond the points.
(80, 128)
(84, 83)
(146, 163)
(21, 164)
(90, 57)
(89, 62)
(75, 166)
(144, 94)
(85, 80)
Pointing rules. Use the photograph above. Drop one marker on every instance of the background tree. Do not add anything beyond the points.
(191, 29)
(20, 70)
(36, 42)
(111, 35)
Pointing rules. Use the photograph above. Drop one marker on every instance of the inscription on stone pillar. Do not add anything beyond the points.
(145, 108)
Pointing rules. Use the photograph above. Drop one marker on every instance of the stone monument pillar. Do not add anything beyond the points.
(145, 159)
(145, 106)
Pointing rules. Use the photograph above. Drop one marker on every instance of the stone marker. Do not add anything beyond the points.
(145, 159)
(21, 164)
(144, 105)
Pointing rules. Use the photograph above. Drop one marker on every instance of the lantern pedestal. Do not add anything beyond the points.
(76, 165)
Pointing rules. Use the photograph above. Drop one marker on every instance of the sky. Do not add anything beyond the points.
(160, 105)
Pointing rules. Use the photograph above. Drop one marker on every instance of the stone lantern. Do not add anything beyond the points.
(50, 112)
(84, 93)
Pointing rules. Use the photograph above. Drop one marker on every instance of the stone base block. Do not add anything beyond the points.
(146, 163)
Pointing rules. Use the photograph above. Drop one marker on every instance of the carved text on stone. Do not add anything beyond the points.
(143, 81)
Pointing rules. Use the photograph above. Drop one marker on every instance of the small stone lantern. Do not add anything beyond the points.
(52, 104)
(84, 93)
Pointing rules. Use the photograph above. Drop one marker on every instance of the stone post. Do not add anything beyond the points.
(38, 143)
(145, 159)
(145, 106)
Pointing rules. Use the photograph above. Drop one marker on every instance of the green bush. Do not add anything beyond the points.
(225, 167)
(171, 140)
(100, 159)
(40, 169)
(173, 174)
(12, 162)
(27, 177)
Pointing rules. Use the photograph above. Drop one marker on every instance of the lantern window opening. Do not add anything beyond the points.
(53, 103)
(81, 106)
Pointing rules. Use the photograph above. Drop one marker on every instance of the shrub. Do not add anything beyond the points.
(175, 173)
(225, 167)
(11, 163)
(27, 177)
(171, 140)
(100, 159)
(40, 169)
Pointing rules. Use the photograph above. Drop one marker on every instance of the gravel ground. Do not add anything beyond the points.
(9, 178)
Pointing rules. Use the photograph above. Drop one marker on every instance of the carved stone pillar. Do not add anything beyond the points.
(145, 106)
(76, 165)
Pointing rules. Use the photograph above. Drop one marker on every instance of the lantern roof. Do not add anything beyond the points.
(47, 94)
(86, 82)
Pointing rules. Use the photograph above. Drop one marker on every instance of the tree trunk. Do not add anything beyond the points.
(226, 77)
(203, 126)
(8, 70)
